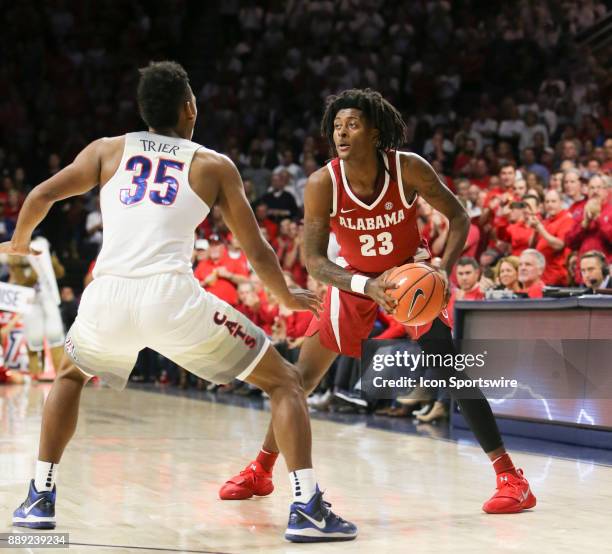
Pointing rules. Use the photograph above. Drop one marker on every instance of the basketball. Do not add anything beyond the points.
(420, 294)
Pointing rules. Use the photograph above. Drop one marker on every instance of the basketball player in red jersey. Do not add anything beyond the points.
(367, 196)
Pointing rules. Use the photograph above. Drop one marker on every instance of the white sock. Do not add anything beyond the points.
(46, 472)
(303, 484)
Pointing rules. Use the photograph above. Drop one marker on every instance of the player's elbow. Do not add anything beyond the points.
(43, 194)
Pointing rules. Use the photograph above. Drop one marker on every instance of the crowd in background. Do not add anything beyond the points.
(514, 116)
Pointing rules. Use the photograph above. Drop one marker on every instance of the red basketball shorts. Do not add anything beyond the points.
(347, 319)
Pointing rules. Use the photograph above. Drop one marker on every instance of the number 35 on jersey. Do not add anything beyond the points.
(162, 190)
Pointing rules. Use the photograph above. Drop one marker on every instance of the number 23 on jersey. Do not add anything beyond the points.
(162, 190)
(382, 244)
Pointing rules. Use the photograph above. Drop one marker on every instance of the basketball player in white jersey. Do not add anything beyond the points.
(155, 188)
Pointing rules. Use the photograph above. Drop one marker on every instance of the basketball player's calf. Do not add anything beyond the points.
(59, 421)
(256, 478)
(310, 518)
(513, 493)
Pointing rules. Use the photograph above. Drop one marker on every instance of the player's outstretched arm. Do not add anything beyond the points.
(418, 176)
(240, 219)
(317, 207)
(77, 178)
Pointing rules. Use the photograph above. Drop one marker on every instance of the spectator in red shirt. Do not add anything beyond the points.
(531, 268)
(593, 229)
(289, 250)
(261, 214)
(507, 177)
(514, 229)
(467, 272)
(252, 306)
(200, 251)
(480, 174)
(574, 199)
(214, 275)
(235, 259)
(550, 238)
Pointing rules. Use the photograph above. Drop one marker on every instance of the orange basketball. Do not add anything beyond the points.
(420, 294)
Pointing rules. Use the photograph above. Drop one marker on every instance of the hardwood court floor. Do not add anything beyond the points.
(143, 470)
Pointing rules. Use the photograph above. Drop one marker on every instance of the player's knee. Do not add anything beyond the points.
(71, 372)
(310, 380)
(289, 379)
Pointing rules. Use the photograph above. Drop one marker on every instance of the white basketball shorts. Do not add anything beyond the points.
(44, 320)
(169, 313)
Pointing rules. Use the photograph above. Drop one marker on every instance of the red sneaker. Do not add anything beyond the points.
(252, 480)
(512, 495)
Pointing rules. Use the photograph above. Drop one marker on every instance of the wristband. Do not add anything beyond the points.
(358, 283)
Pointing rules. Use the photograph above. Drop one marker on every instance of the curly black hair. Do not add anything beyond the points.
(379, 113)
(162, 88)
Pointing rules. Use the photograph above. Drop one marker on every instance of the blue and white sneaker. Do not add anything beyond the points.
(38, 510)
(315, 522)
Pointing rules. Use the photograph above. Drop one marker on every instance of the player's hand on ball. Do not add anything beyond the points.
(17, 249)
(444, 276)
(377, 289)
(302, 300)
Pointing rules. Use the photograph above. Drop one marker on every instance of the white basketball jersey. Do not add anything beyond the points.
(149, 210)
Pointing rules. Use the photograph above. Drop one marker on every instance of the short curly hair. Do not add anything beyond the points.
(379, 113)
(162, 88)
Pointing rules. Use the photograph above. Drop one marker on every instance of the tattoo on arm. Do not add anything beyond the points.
(426, 182)
(316, 239)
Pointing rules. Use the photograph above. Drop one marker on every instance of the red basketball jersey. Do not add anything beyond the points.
(378, 236)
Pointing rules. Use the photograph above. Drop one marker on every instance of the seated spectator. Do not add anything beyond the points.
(219, 274)
(519, 189)
(573, 199)
(506, 274)
(550, 238)
(69, 306)
(200, 251)
(235, 258)
(607, 164)
(593, 228)
(280, 202)
(7, 225)
(249, 191)
(467, 272)
(531, 165)
(556, 181)
(514, 229)
(438, 147)
(571, 264)
(257, 173)
(499, 196)
(93, 228)
(479, 175)
(252, 306)
(310, 166)
(292, 257)
(465, 156)
(261, 214)
(531, 268)
(530, 129)
(595, 271)
(534, 181)
(287, 164)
